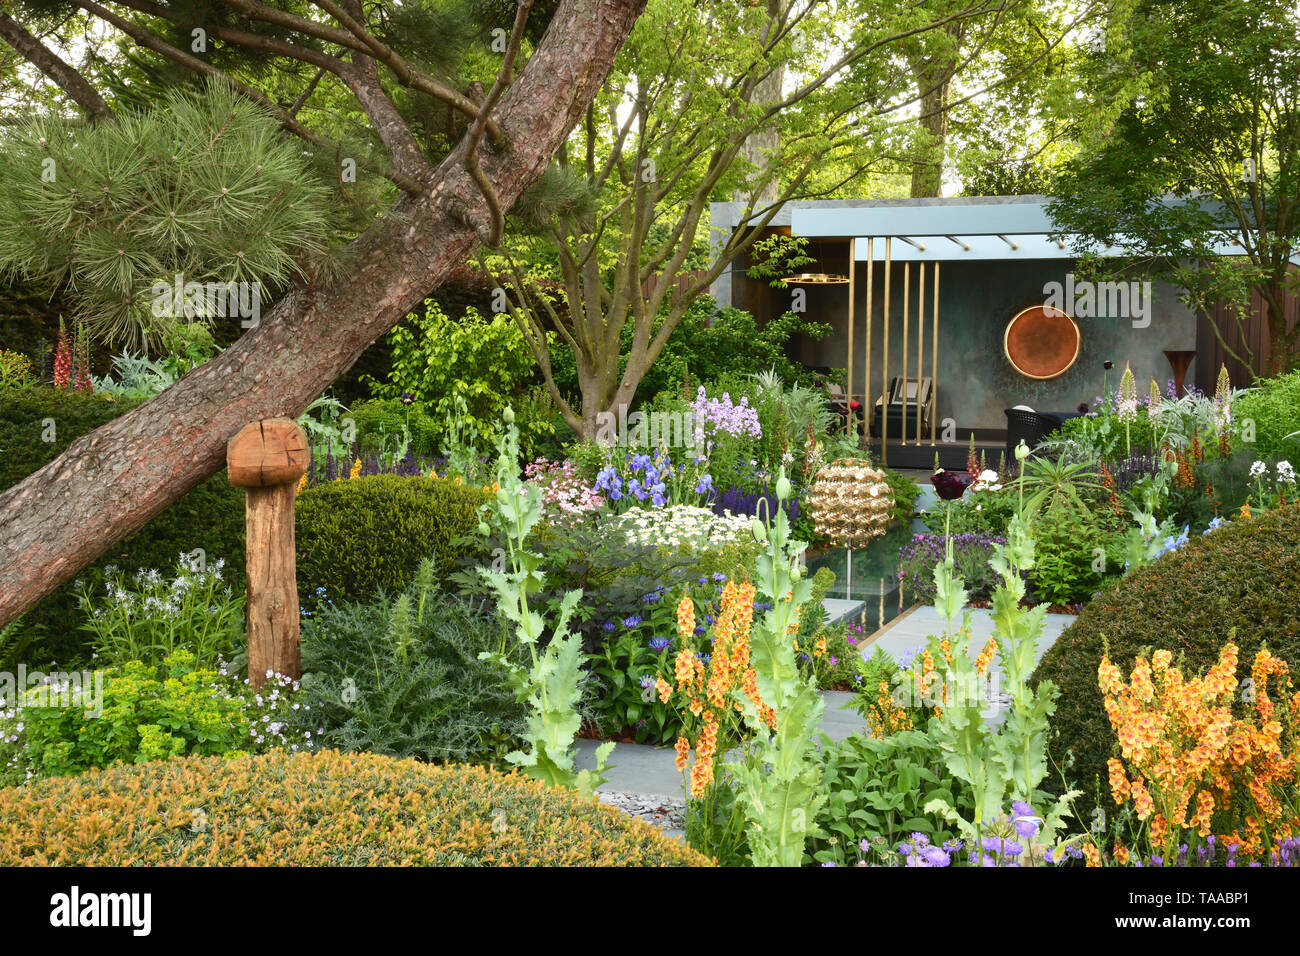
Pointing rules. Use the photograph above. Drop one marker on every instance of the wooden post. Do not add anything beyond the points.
(267, 458)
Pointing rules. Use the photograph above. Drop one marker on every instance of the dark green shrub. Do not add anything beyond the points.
(709, 343)
(1244, 576)
(402, 677)
(361, 535)
(210, 517)
(320, 809)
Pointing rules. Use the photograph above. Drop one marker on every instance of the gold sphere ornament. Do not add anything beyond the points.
(849, 502)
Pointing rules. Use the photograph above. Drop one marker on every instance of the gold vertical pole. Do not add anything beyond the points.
(934, 356)
(867, 399)
(884, 385)
(907, 291)
(920, 347)
(850, 424)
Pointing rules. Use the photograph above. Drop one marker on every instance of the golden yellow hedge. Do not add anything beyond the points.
(321, 809)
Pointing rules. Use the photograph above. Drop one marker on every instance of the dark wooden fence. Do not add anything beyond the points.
(1252, 330)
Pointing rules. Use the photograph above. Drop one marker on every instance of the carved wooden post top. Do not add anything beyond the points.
(270, 452)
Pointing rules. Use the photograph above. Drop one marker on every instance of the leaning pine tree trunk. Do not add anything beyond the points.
(110, 483)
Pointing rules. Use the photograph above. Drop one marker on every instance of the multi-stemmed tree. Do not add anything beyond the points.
(457, 153)
(707, 102)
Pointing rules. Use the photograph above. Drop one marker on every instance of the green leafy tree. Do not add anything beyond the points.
(622, 243)
(1192, 145)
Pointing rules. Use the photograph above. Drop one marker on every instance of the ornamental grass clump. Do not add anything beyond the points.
(1195, 774)
(323, 809)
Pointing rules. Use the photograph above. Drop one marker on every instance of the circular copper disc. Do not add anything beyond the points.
(1041, 342)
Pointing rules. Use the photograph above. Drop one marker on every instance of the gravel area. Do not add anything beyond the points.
(660, 811)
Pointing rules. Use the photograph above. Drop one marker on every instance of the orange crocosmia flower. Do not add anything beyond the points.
(686, 617)
(1119, 785)
(1204, 808)
(683, 668)
(665, 689)
(1142, 802)
(683, 749)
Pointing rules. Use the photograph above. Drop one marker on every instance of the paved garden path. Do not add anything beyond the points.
(642, 769)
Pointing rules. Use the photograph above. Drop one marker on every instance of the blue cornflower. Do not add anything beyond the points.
(652, 597)
(632, 620)
(647, 680)
(658, 644)
(719, 576)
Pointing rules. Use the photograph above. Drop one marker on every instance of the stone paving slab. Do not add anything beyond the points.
(838, 609)
(906, 634)
(639, 768)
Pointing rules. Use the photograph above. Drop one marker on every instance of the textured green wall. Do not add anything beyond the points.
(977, 299)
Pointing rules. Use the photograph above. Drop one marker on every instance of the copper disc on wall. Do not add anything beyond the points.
(1041, 342)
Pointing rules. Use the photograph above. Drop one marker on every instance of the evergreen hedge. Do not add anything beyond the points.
(360, 535)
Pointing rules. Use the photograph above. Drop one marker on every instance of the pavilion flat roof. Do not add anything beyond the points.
(930, 230)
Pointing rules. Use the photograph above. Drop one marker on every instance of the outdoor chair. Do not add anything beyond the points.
(1025, 424)
(917, 397)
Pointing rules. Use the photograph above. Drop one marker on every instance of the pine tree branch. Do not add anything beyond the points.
(475, 135)
(362, 40)
(48, 62)
(310, 88)
(150, 41)
(359, 77)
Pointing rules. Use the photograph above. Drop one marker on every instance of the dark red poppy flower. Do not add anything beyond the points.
(950, 485)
